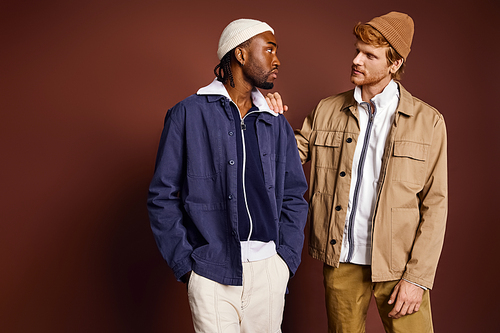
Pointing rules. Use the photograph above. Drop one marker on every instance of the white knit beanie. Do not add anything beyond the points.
(238, 32)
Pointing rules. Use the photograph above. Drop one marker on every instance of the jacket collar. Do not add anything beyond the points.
(405, 105)
(350, 103)
(216, 90)
(386, 97)
(405, 101)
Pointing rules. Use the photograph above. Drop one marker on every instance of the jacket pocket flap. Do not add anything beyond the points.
(413, 150)
(329, 139)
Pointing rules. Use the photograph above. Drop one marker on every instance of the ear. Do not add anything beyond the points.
(240, 55)
(396, 65)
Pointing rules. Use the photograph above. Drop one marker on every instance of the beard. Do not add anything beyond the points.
(264, 84)
(259, 77)
(369, 78)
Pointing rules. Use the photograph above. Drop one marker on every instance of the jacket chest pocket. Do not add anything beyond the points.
(327, 149)
(408, 162)
(204, 154)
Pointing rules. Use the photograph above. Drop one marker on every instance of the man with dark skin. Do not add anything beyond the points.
(226, 200)
(254, 65)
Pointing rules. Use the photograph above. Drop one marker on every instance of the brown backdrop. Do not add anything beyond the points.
(84, 89)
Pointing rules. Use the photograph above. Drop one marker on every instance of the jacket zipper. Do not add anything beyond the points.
(362, 158)
(243, 128)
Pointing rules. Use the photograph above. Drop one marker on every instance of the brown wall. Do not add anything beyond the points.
(84, 88)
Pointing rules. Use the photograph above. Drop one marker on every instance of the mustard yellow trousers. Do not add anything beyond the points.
(348, 291)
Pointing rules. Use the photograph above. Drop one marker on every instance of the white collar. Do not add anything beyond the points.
(383, 99)
(217, 88)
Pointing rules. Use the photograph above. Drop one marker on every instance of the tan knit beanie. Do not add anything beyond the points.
(397, 28)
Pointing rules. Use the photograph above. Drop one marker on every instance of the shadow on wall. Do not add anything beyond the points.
(145, 295)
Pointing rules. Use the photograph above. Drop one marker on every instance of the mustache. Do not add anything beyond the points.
(356, 68)
(272, 71)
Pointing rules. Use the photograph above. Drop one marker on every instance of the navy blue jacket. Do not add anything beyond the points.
(192, 199)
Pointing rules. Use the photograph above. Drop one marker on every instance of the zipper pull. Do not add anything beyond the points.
(243, 125)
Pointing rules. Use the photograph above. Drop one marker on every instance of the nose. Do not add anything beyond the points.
(357, 59)
(276, 61)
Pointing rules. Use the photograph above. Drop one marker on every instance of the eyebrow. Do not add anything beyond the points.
(275, 45)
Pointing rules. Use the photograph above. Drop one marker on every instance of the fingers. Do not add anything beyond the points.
(394, 294)
(408, 298)
(275, 102)
(400, 309)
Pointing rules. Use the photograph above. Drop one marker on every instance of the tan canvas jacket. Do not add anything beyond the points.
(412, 198)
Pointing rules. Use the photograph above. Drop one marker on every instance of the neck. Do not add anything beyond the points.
(241, 94)
(372, 90)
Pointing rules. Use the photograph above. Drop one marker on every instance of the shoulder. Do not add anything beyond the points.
(193, 105)
(421, 106)
(191, 101)
(417, 107)
(332, 108)
(335, 105)
(340, 100)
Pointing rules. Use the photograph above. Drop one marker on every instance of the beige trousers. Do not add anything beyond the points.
(348, 291)
(255, 307)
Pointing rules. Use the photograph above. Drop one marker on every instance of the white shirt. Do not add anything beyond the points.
(366, 165)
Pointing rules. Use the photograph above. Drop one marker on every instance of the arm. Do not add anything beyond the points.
(293, 215)
(303, 136)
(421, 268)
(164, 200)
(407, 296)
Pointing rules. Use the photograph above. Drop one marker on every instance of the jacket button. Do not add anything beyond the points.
(338, 208)
(349, 140)
(342, 174)
(231, 162)
(333, 242)
(231, 133)
(230, 197)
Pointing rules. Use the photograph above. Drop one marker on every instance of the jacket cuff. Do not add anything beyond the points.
(416, 284)
(417, 281)
(289, 259)
(182, 268)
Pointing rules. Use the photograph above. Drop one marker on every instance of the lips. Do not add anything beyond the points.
(354, 71)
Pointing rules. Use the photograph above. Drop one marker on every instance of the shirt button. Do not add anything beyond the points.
(338, 208)
(349, 140)
(231, 133)
(231, 162)
(333, 242)
(342, 174)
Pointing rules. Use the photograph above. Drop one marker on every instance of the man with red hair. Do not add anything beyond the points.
(378, 187)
